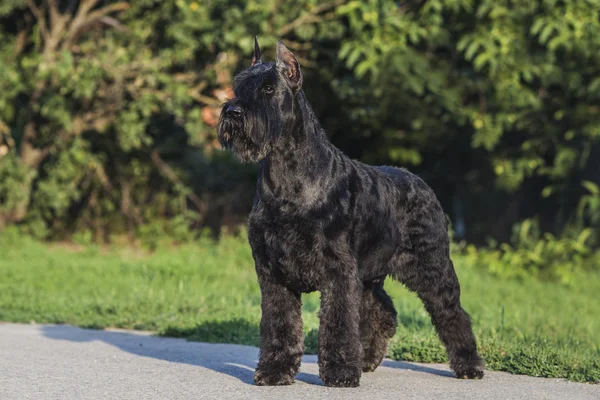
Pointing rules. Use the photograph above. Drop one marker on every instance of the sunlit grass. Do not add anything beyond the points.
(208, 291)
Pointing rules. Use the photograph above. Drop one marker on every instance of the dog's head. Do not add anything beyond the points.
(263, 107)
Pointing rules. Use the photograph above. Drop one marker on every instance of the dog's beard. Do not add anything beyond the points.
(250, 138)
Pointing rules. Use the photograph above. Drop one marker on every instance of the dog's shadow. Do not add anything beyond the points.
(237, 361)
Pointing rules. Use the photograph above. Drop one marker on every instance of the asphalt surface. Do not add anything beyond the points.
(67, 363)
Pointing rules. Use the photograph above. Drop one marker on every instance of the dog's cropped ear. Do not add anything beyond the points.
(256, 58)
(289, 65)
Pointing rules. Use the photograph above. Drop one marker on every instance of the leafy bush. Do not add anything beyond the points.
(543, 256)
(538, 254)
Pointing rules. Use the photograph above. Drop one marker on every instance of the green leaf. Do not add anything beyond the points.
(545, 33)
(591, 187)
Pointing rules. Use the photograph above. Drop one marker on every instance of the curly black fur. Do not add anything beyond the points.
(322, 221)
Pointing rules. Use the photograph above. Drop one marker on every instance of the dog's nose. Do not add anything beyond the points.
(233, 110)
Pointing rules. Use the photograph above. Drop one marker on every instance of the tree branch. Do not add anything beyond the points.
(41, 18)
(57, 25)
(55, 15)
(82, 11)
(200, 98)
(114, 23)
(5, 136)
(168, 172)
(196, 94)
(127, 206)
(311, 16)
(101, 12)
(84, 18)
(21, 41)
(95, 119)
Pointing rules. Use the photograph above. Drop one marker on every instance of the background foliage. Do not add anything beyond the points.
(108, 113)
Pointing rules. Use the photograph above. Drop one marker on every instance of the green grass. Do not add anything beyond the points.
(208, 292)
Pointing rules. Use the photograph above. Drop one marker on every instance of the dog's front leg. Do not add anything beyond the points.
(281, 337)
(340, 350)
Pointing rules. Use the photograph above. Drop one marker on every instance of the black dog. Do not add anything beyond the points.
(322, 221)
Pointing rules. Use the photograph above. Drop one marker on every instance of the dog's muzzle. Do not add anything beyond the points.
(230, 124)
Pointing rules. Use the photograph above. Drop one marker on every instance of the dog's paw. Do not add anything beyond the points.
(472, 369)
(371, 361)
(272, 378)
(339, 375)
(370, 366)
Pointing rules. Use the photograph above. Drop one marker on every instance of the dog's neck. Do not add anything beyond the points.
(296, 169)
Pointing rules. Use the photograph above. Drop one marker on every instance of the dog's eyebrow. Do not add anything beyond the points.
(253, 78)
(248, 84)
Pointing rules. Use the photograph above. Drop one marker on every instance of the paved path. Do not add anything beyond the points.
(61, 362)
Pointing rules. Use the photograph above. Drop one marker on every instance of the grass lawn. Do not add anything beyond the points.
(208, 292)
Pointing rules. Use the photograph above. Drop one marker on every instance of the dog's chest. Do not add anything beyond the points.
(292, 249)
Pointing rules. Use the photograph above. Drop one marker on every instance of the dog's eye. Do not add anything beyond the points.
(268, 89)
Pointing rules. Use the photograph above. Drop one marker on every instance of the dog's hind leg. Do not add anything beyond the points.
(377, 323)
(435, 282)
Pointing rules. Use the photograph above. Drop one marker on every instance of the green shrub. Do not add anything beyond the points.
(108, 108)
(533, 253)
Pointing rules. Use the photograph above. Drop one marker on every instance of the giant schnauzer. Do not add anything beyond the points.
(322, 221)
